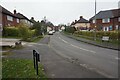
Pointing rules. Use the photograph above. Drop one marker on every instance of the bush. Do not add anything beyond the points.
(70, 30)
(11, 31)
(22, 31)
(25, 32)
(99, 34)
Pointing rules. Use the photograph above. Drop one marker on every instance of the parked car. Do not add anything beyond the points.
(50, 32)
(53, 31)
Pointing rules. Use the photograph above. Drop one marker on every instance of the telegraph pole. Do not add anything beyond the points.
(95, 23)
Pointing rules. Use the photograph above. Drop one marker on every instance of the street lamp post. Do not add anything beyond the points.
(95, 23)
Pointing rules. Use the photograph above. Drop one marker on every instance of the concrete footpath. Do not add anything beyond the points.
(100, 44)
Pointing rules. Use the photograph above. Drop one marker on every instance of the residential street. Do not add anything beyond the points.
(64, 57)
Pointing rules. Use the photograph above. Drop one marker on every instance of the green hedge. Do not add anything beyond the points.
(70, 29)
(99, 34)
(22, 32)
(11, 31)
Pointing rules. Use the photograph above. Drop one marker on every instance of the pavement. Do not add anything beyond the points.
(100, 44)
(8, 41)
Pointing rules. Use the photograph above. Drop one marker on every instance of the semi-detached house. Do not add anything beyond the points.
(12, 19)
(81, 24)
(108, 20)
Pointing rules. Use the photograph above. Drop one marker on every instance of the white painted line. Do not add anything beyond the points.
(77, 46)
(63, 40)
(117, 58)
(83, 48)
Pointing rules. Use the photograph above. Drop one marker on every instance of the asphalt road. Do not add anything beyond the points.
(64, 57)
(101, 60)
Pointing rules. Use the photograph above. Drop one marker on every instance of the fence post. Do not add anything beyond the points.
(34, 58)
(37, 63)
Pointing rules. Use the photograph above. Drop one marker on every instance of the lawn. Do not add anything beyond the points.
(20, 68)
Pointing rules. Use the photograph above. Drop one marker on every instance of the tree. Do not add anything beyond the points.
(70, 29)
(37, 27)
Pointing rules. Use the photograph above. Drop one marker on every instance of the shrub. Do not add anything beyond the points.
(11, 31)
(70, 30)
(99, 34)
(25, 31)
(22, 30)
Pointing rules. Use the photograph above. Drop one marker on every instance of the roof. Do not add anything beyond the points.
(107, 14)
(17, 15)
(82, 20)
(5, 11)
(21, 16)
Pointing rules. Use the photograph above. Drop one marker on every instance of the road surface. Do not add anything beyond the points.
(64, 57)
(101, 60)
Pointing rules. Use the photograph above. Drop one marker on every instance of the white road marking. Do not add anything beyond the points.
(117, 58)
(77, 46)
(63, 40)
(83, 48)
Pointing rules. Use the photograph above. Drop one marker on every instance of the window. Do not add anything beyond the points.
(105, 28)
(1, 28)
(119, 19)
(110, 28)
(10, 18)
(107, 20)
(18, 20)
(93, 21)
(117, 27)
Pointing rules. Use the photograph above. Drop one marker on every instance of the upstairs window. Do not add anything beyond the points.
(106, 20)
(18, 20)
(10, 18)
(93, 21)
(119, 19)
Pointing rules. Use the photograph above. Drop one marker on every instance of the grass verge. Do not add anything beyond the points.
(20, 68)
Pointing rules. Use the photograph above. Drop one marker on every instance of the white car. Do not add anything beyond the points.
(50, 32)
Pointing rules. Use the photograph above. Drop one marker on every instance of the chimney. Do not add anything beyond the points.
(32, 18)
(75, 20)
(14, 11)
(81, 17)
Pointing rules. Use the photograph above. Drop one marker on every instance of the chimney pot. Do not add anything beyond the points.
(14, 11)
(32, 18)
(81, 16)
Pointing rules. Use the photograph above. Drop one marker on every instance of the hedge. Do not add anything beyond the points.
(11, 31)
(22, 32)
(99, 34)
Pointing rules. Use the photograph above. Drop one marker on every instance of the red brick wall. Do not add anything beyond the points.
(113, 22)
(5, 22)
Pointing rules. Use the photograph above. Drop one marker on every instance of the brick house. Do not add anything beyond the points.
(108, 20)
(23, 19)
(12, 19)
(7, 18)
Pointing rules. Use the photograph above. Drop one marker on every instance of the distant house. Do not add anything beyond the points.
(49, 28)
(108, 20)
(81, 24)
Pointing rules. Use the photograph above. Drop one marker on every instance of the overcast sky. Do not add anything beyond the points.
(58, 11)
